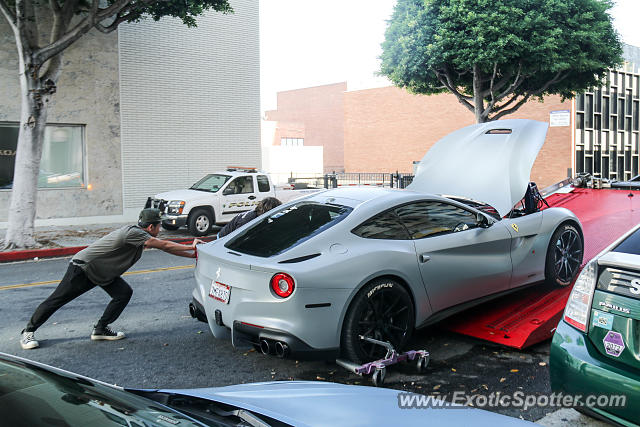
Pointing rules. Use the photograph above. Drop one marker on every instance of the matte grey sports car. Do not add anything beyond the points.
(316, 274)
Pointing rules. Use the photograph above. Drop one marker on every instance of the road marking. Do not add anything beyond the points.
(128, 273)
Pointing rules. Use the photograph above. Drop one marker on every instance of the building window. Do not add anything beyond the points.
(62, 162)
(292, 142)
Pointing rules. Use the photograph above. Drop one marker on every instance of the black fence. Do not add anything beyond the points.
(335, 180)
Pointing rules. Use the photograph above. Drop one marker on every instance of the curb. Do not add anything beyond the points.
(71, 250)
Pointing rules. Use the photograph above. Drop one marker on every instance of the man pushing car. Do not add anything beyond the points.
(101, 264)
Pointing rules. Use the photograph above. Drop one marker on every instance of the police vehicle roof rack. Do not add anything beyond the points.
(245, 169)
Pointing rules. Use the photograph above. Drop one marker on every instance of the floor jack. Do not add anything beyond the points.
(377, 368)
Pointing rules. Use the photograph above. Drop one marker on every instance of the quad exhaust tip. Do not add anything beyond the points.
(265, 347)
(282, 349)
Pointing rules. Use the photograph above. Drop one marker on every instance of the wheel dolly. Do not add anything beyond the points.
(377, 368)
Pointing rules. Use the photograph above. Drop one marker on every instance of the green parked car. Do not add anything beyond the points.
(596, 348)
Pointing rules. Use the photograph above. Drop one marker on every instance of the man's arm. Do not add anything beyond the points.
(187, 251)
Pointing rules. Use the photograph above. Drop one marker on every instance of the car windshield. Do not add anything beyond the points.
(211, 183)
(287, 228)
(33, 395)
(630, 245)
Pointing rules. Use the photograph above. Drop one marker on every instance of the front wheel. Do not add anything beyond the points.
(564, 256)
(200, 222)
(169, 227)
(382, 310)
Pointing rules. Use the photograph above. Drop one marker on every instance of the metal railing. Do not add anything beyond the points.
(335, 180)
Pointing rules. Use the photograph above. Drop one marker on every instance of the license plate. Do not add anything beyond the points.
(220, 291)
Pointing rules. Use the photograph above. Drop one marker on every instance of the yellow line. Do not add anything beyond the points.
(128, 273)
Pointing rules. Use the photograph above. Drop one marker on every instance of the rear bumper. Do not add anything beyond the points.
(578, 368)
(254, 334)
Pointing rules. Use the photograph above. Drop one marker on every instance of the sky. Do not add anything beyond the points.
(306, 43)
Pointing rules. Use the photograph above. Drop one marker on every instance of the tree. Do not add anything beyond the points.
(495, 55)
(40, 65)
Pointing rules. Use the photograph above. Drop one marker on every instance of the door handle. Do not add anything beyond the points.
(252, 197)
(424, 258)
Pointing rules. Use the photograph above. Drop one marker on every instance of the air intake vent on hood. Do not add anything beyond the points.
(299, 259)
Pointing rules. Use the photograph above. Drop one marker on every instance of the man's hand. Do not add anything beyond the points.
(196, 242)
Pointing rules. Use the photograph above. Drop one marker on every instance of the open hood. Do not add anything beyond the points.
(488, 162)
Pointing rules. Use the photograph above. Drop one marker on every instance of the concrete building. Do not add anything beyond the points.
(151, 107)
(387, 129)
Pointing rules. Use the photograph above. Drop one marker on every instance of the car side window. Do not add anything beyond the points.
(382, 226)
(263, 184)
(424, 219)
(240, 185)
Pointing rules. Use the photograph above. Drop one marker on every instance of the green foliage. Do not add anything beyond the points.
(572, 41)
(187, 10)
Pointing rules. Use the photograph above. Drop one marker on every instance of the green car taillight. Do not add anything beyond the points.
(576, 313)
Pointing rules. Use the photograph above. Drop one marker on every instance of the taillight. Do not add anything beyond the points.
(576, 313)
(282, 284)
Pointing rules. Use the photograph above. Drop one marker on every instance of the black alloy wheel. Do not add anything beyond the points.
(564, 256)
(382, 310)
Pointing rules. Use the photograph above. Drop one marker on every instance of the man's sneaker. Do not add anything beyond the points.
(106, 334)
(28, 341)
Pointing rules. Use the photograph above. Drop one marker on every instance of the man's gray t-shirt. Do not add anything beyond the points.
(110, 256)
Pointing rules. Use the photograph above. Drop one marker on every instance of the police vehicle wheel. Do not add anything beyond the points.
(564, 256)
(200, 222)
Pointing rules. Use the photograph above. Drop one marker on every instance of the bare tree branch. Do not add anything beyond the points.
(516, 82)
(449, 83)
(461, 98)
(8, 14)
(55, 7)
(71, 36)
(113, 26)
(511, 110)
(27, 29)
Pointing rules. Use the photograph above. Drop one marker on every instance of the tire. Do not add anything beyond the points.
(564, 256)
(200, 222)
(169, 227)
(382, 310)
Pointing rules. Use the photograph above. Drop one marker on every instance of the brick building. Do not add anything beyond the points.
(387, 129)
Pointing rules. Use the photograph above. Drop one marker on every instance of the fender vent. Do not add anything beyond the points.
(299, 259)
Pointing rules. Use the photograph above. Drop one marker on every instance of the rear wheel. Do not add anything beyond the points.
(381, 310)
(564, 256)
(200, 222)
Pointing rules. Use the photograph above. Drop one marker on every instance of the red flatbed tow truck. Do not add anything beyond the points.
(530, 316)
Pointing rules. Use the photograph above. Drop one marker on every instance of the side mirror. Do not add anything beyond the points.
(482, 221)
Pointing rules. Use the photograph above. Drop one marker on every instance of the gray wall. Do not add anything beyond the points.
(190, 99)
(88, 93)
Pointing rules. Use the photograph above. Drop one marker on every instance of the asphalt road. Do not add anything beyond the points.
(166, 348)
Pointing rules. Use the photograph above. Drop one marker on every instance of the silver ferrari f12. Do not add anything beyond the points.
(314, 275)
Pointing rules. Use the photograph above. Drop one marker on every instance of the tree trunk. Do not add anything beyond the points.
(33, 119)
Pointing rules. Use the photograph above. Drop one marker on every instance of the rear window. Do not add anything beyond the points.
(630, 245)
(287, 228)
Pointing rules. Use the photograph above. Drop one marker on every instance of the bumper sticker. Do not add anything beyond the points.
(613, 344)
(602, 319)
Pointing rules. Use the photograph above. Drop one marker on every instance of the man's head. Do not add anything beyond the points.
(267, 204)
(150, 220)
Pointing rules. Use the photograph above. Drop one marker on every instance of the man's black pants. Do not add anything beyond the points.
(75, 283)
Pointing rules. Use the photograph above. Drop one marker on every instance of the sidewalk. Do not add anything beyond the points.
(58, 241)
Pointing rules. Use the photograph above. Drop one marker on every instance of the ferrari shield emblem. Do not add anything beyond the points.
(515, 227)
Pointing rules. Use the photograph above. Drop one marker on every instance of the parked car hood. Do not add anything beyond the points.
(182, 195)
(323, 403)
(488, 162)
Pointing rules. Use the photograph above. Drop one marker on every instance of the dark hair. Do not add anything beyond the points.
(267, 204)
(146, 224)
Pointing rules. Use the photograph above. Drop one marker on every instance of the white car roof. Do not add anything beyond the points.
(488, 162)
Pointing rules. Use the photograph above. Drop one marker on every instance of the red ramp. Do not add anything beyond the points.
(530, 316)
